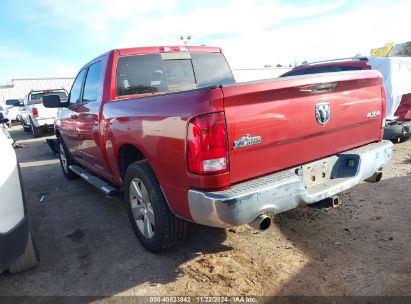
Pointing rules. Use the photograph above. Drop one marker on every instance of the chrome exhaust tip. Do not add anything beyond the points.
(377, 176)
(261, 222)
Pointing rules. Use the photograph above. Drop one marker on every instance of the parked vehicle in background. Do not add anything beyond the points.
(397, 84)
(188, 144)
(36, 117)
(3, 128)
(328, 66)
(13, 106)
(19, 114)
(5, 113)
(17, 250)
(398, 124)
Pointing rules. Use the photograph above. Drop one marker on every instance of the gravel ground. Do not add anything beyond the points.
(87, 245)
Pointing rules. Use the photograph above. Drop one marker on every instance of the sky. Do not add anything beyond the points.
(55, 38)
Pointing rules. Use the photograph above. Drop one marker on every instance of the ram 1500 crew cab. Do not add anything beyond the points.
(170, 126)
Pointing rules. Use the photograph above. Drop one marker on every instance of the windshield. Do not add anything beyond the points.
(37, 98)
(12, 102)
(142, 74)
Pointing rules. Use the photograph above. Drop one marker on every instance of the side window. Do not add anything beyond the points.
(92, 86)
(76, 88)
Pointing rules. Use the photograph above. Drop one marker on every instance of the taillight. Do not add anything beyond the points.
(384, 106)
(34, 112)
(207, 150)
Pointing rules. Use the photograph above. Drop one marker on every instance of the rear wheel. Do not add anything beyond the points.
(29, 259)
(35, 131)
(25, 127)
(154, 225)
(66, 160)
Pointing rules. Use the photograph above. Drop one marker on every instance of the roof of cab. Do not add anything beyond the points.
(165, 49)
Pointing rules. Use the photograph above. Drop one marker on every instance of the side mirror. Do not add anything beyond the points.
(53, 101)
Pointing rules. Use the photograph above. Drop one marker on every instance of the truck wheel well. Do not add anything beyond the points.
(127, 155)
(58, 133)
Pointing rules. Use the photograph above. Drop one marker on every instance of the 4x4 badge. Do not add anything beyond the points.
(322, 112)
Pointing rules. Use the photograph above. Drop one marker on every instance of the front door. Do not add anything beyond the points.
(90, 141)
(69, 115)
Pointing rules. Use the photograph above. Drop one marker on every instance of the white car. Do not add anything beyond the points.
(17, 250)
(36, 117)
(13, 107)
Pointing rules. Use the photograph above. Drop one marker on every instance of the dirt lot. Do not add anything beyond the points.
(87, 245)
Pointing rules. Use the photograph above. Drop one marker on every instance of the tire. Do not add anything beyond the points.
(153, 223)
(25, 128)
(35, 131)
(66, 160)
(29, 259)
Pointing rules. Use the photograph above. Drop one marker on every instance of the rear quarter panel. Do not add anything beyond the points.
(157, 126)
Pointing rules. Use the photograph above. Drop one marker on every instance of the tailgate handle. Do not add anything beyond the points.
(319, 88)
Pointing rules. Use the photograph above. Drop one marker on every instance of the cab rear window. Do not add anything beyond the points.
(154, 73)
(37, 98)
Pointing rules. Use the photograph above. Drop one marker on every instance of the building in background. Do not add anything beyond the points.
(19, 88)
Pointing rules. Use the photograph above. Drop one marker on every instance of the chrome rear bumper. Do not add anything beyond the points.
(285, 190)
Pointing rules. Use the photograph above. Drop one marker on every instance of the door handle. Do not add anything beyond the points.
(74, 116)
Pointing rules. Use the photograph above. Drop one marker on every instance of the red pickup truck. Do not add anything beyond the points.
(170, 127)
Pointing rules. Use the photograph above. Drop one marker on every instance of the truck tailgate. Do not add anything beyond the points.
(296, 120)
(46, 112)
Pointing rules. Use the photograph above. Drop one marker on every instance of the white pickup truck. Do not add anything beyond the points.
(36, 117)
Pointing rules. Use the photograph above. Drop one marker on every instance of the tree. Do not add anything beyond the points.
(304, 61)
(278, 66)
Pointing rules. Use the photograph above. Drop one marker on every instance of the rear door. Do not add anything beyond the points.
(274, 125)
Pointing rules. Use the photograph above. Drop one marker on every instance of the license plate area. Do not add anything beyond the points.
(316, 173)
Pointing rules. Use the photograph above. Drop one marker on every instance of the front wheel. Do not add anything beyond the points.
(66, 160)
(154, 225)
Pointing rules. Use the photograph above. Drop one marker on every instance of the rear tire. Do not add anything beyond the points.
(29, 259)
(25, 128)
(66, 160)
(154, 225)
(35, 131)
